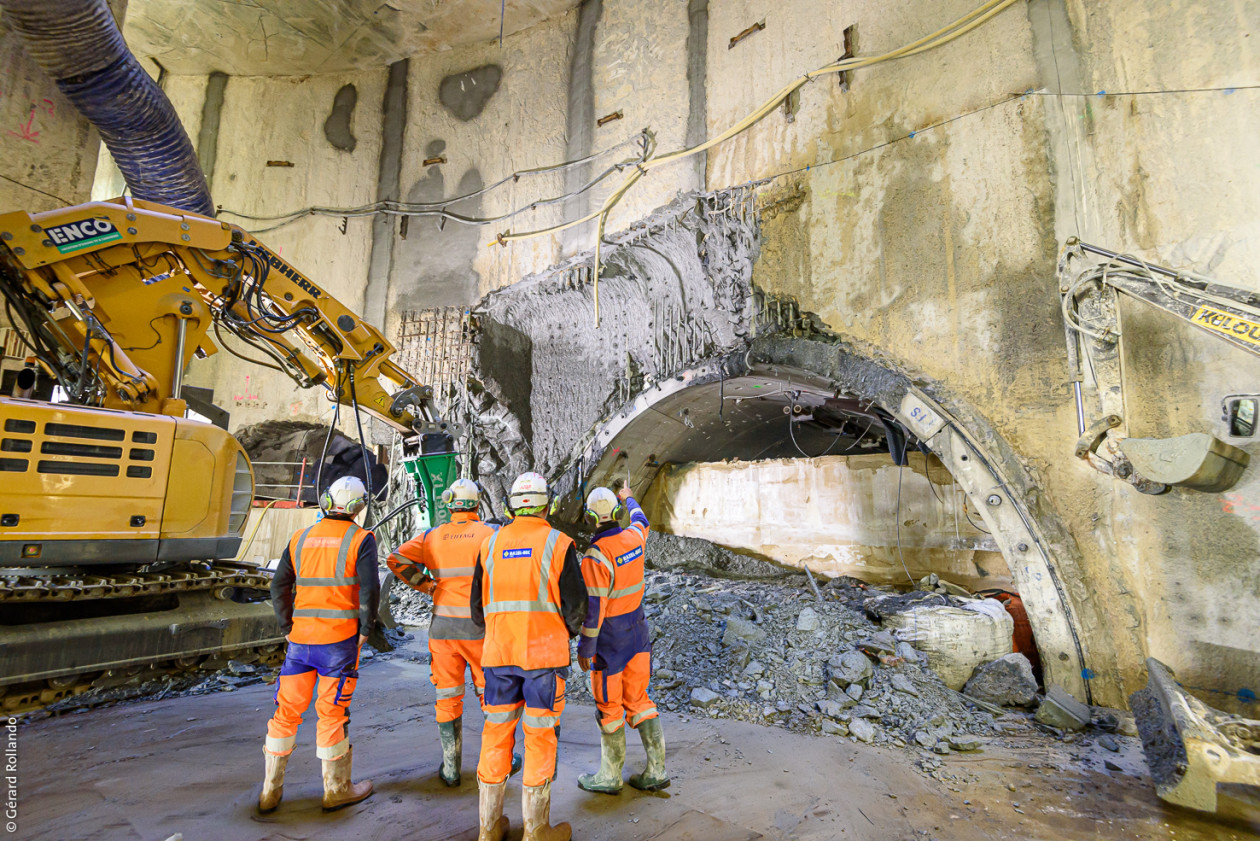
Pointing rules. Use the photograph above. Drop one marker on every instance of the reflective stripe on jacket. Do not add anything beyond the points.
(447, 556)
(326, 592)
(520, 596)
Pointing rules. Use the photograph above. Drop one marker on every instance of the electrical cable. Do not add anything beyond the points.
(901, 468)
(358, 422)
(319, 473)
(392, 207)
(944, 35)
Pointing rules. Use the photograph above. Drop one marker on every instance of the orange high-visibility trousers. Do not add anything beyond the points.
(623, 697)
(448, 661)
(534, 699)
(332, 672)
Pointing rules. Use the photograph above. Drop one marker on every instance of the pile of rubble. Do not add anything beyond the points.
(796, 657)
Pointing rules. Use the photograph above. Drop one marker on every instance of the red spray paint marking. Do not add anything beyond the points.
(26, 133)
(246, 395)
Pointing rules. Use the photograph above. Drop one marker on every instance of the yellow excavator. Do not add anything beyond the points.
(118, 514)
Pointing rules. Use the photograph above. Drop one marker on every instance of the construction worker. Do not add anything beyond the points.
(325, 594)
(527, 592)
(440, 563)
(616, 643)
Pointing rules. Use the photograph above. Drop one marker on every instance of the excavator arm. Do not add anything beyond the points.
(115, 298)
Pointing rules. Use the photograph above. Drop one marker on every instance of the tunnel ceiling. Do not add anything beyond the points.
(297, 37)
(747, 417)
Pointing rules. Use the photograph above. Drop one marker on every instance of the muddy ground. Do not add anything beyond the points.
(191, 765)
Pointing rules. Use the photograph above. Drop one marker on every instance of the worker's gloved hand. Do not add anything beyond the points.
(362, 639)
(624, 493)
(427, 586)
(585, 663)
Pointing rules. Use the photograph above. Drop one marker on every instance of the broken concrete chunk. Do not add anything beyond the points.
(908, 652)
(1007, 682)
(703, 697)
(850, 667)
(924, 739)
(754, 669)
(854, 691)
(863, 711)
(902, 684)
(1109, 742)
(965, 742)
(807, 620)
(862, 729)
(834, 728)
(741, 629)
(832, 709)
(1061, 710)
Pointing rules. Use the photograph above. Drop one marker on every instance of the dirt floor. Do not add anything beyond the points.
(192, 765)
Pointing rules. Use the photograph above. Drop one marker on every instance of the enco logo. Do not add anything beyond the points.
(85, 234)
(287, 270)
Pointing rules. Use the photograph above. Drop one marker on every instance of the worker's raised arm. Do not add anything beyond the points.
(409, 564)
(638, 520)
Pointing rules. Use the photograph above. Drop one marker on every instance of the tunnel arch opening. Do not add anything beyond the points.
(793, 397)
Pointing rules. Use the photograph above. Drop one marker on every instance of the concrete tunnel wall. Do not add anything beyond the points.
(917, 215)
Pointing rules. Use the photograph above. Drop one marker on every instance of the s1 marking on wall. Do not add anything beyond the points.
(77, 235)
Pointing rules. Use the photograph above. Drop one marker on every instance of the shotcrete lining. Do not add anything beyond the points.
(388, 186)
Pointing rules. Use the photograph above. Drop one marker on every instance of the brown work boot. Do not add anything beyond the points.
(339, 790)
(536, 804)
(494, 826)
(273, 782)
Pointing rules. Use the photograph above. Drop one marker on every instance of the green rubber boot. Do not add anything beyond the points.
(452, 735)
(612, 758)
(653, 777)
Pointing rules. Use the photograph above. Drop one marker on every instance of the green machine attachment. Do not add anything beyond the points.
(433, 474)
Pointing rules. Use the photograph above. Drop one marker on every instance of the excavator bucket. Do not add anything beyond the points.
(1189, 746)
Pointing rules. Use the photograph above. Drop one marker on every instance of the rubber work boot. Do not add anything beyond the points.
(612, 757)
(273, 782)
(536, 804)
(517, 763)
(494, 826)
(339, 790)
(653, 777)
(452, 735)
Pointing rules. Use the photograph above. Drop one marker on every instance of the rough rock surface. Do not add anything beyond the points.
(1007, 682)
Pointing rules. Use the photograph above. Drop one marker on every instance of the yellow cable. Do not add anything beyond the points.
(257, 525)
(944, 35)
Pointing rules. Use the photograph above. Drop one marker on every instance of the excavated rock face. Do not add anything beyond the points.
(673, 291)
(292, 441)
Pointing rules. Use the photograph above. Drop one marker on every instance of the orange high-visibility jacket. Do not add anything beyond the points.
(326, 601)
(446, 556)
(613, 568)
(518, 581)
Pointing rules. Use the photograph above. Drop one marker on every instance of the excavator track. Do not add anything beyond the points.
(64, 633)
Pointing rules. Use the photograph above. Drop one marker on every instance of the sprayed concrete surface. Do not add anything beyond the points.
(731, 780)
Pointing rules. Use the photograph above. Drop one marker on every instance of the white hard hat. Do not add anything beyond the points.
(602, 505)
(462, 495)
(529, 491)
(344, 496)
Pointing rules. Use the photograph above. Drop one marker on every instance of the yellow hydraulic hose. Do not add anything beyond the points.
(944, 35)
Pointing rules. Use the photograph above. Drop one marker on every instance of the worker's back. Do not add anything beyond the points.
(326, 595)
(520, 596)
(450, 554)
(626, 553)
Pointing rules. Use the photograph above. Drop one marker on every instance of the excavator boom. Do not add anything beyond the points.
(115, 298)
